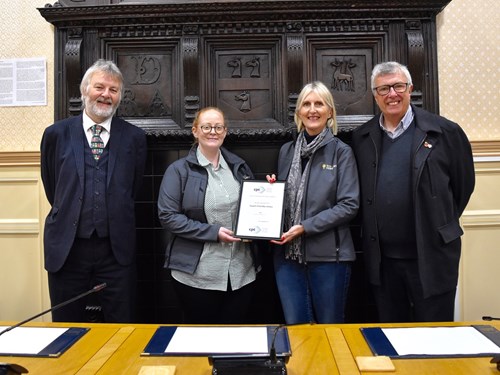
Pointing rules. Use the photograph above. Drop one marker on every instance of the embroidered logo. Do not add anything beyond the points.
(328, 166)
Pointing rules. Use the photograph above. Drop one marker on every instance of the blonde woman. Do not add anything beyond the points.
(312, 260)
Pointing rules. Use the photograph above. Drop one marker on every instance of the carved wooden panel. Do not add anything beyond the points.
(346, 70)
(251, 58)
(245, 82)
(151, 74)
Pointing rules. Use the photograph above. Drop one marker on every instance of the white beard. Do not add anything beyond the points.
(93, 109)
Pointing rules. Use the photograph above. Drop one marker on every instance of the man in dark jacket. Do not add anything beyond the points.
(92, 167)
(416, 176)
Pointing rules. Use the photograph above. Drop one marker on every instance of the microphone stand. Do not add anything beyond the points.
(273, 361)
(97, 288)
(250, 365)
(12, 368)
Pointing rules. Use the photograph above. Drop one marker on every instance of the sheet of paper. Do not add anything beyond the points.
(28, 340)
(439, 341)
(261, 210)
(23, 82)
(227, 340)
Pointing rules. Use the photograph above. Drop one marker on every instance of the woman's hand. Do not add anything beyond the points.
(226, 235)
(293, 232)
(271, 178)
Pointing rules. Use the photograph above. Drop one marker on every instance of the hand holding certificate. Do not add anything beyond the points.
(260, 211)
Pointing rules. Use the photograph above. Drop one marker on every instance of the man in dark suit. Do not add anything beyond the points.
(416, 177)
(92, 167)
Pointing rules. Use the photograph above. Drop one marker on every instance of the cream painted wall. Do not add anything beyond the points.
(479, 275)
(468, 55)
(468, 34)
(23, 281)
(25, 33)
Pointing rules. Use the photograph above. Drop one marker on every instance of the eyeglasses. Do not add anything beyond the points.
(219, 129)
(399, 87)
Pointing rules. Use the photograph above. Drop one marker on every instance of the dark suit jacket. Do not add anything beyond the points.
(442, 181)
(62, 167)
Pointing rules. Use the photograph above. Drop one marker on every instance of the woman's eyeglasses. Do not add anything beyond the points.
(219, 129)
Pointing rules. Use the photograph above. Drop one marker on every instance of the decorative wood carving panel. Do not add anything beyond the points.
(250, 58)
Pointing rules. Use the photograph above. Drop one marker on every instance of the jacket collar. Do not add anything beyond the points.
(231, 159)
(423, 121)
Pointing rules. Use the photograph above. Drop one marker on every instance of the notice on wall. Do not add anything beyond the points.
(23, 82)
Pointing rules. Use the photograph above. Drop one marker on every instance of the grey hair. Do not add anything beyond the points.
(390, 67)
(325, 94)
(105, 66)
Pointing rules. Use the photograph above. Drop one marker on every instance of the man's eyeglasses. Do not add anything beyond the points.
(399, 87)
(219, 129)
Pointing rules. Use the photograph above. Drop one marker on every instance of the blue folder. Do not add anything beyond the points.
(380, 344)
(56, 347)
(161, 338)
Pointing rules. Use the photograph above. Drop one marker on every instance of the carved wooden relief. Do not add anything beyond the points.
(151, 94)
(345, 73)
(249, 58)
(150, 77)
(243, 86)
(245, 81)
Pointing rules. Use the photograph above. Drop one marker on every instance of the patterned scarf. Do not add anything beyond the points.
(295, 185)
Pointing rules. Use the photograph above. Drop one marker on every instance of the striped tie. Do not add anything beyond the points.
(96, 144)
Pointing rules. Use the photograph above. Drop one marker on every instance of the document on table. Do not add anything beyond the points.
(28, 340)
(237, 340)
(439, 341)
(254, 341)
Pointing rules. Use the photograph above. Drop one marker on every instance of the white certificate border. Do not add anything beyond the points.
(242, 210)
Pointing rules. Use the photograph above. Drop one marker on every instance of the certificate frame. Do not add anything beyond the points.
(260, 210)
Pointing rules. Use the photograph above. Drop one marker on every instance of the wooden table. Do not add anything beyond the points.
(316, 349)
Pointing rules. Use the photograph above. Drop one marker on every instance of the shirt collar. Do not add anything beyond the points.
(205, 163)
(88, 123)
(402, 126)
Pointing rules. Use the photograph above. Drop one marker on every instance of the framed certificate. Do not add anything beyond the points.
(261, 210)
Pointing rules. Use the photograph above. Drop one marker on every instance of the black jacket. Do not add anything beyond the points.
(442, 183)
(181, 209)
(62, 168)
(331, 199)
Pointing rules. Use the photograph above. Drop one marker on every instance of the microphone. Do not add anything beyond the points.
(12, 368)
(489, 318)
(496, 359)
(274, 365)
(95, 289)
(273, 358)
(270, 364)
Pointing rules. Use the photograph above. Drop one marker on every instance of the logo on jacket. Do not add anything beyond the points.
(328, 167)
